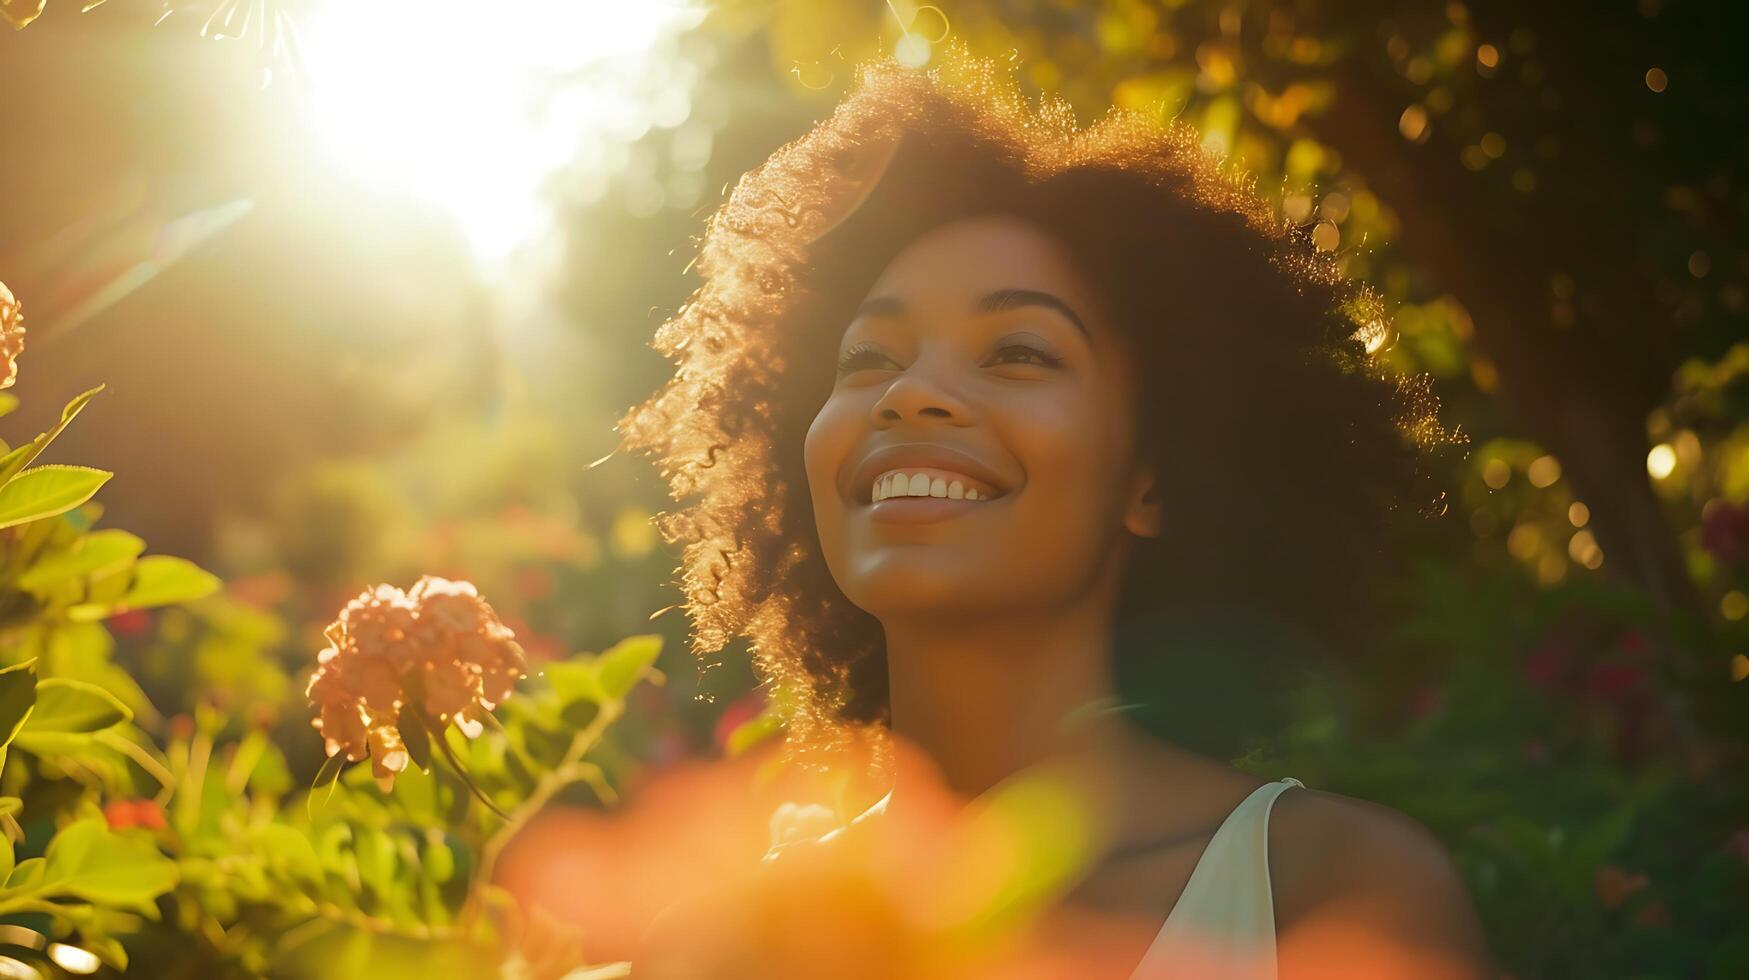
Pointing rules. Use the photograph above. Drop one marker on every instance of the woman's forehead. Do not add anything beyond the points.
(959, 266)
(974, 253)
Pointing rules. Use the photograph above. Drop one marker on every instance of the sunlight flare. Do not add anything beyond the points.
(476, 112)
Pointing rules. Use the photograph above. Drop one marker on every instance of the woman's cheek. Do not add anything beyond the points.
(824, 448)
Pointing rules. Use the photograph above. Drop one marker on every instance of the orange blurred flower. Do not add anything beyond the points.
(1615, 885)
(1654, 914)
(11, 336)
(747, 866)
(122, 814)
(439, 647)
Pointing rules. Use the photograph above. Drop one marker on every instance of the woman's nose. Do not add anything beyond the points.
(919, 392)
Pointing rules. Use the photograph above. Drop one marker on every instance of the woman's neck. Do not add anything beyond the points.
(988, 699)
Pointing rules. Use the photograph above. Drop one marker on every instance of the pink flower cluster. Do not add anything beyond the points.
(11, 336)
(439, 643)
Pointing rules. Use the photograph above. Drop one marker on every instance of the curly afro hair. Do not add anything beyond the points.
(1279, 444)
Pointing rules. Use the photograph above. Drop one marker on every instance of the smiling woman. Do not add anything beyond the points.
(1149, 392)
(1271, 431)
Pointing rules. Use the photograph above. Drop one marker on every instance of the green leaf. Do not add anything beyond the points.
(17, 698)
(286, 847)
(27, 874)
(439, 860)
(83, 650)
(157, 580)
(8, 402)
(1602, 839)
(271, 776)
(160, 580)
(376, 860)
(79, 746)
(19, 458)
(96, 554)
(6, 856)
(417, 741)
(46, 491)
(330, 768)
(753, 731)
(88, 861)
(575, 680)
(322, 789)
(620, 668)
(108, 949)
(578, 714)
(67, 706)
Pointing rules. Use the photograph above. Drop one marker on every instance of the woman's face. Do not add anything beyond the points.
(980, 384)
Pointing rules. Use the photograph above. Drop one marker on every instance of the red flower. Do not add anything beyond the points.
(735, 715)
(1653, 914)
(1615, 683)
(1544, 669)
(1724, 531)
(1738, 844)
(534, 582)
(130, 621)
(1615, 886)
(122, 814)
(1424, 702)
(1633, 643)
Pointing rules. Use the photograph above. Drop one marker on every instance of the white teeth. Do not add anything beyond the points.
(899, 484)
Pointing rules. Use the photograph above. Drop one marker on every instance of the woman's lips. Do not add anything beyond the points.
(925, 510)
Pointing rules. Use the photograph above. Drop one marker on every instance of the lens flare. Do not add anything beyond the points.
(475, 108)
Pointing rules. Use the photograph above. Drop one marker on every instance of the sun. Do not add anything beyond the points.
(475, 107)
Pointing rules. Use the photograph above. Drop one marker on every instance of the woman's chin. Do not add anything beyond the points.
(912, 593)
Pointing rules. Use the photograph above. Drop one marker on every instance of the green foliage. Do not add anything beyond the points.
(1560, 743)
(90, 862)
(46, 491)
(119, 835)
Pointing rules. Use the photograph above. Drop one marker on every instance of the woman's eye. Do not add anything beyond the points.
(1039, 357)
(859, 357)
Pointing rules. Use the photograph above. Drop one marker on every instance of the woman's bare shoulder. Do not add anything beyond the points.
(1351, 874)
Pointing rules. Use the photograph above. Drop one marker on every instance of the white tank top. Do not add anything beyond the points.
(1223, 925)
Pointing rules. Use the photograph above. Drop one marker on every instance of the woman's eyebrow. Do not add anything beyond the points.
(1001, 299)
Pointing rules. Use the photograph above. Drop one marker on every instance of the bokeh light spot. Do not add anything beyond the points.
(1496, 473)
(1661, 461)
(1734, 605)
(1544, 471)
(1413, 124)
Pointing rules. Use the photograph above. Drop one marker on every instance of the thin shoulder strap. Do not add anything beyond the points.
(1223, 925)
